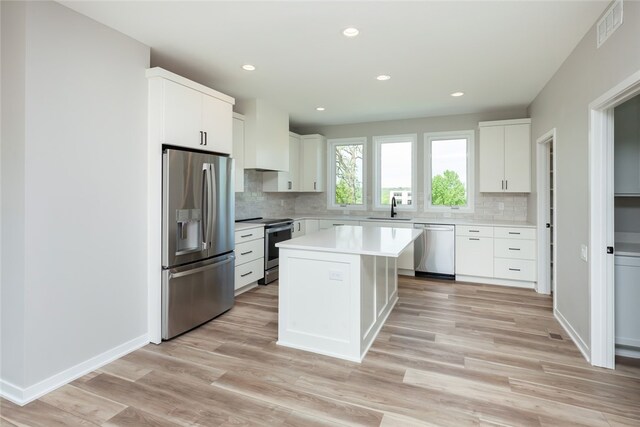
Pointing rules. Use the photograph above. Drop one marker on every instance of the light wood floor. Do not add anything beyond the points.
(449, 354)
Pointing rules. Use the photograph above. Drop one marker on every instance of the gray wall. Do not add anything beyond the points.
(563, 103)
(486, 204)
(74, 176)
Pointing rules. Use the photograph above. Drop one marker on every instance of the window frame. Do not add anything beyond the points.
(429, 137)
(331, 173)
(378, 141)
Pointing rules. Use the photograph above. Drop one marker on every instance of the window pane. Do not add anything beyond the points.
(395, 172)
(349, 170)
(449, 172)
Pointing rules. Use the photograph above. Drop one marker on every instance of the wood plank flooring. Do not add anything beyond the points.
(450, 354)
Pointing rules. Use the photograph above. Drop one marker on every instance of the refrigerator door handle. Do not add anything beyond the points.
(199, 269)
(205, 207)
(213, 208)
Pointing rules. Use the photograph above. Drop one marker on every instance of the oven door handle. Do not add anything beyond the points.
(275, 230)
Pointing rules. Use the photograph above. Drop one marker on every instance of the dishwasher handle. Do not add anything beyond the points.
(434, 227)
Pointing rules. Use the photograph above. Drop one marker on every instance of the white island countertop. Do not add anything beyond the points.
(358, 240)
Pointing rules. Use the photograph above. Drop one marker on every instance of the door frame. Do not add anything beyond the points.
(542, 185)
(601, 221)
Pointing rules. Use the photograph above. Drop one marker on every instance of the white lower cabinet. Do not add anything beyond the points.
(249, 250)
(474, 256)
(311, 226)
(299, 227)
(627, 290)
(328, 223)
(496, 255)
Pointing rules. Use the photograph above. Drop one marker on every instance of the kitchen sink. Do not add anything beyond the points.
(386, 218)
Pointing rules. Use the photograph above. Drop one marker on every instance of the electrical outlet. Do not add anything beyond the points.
(336, 275)
(583, 253)
(501, 206)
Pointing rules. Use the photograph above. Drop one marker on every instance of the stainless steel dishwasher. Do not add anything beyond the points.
(434, 251)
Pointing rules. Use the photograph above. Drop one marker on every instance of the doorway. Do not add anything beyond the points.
(547, 213)
(601, 222)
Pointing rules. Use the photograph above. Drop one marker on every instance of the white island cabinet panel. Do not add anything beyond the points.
(337, 287)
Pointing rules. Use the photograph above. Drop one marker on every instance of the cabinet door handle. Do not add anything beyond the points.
(514, 232)
(289, 185)
(245, 253)
(314, 185)
(473, 238)
(474, 231)
(502, 185)
(506, 184)
(246, 235)
(298, 226)
(246, 274)
(514, 249)
(205, 138)
(201, 138)
(514, 269)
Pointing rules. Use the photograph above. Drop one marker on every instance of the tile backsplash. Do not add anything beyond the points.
(253, 202)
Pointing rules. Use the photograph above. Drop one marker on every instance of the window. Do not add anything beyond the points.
(346, 173)
(448, 159)
(395, 171)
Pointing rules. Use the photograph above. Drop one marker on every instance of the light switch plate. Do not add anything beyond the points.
(583, 253)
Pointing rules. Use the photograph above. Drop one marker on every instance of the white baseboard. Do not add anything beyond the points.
(628, 352)
(492, 281)
(405, 272)
(22, 396)
(582, 346)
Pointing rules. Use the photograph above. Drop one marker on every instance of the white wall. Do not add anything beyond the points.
(77, 269)
(563, 103)
(486, 204)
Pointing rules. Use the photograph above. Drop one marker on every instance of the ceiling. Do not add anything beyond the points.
(500, 54)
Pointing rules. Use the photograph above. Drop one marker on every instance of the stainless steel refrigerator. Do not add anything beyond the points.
(197, 239)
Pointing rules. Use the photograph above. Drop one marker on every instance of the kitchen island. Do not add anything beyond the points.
(338, 286)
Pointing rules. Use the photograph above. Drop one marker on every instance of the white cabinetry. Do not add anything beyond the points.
(505, 156)
(405, 260)
(474, 251)
(249, 250)
(313, 163)
(627, 148)
(266, 136)
(627, 290)
(299, 227)
(188, 114)
(238, 150)
(285, 181)
(311, 226)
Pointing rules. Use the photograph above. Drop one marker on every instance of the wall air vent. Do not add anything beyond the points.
(609, 22)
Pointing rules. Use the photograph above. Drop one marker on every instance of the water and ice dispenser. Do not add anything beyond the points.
(188, 231)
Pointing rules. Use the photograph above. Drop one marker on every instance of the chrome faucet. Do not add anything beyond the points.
(393, 205)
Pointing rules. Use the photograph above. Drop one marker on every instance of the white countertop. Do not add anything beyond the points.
(247, 226)
(355, 239)
(628, 249)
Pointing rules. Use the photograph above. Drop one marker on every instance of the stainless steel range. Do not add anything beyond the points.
(275, 231)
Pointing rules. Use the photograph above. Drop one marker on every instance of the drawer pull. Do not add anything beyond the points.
(246, 235)
(474, 231)
(514, 249)
(335, 225)
(514, 269)
(514, 232)
(473, 238)
(246, 274)
(245, 253)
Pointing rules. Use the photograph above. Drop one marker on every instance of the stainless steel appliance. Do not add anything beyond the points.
(275, 231)
(197, 239)
(434, 251)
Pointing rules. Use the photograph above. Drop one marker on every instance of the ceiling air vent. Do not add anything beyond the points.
(609, 22)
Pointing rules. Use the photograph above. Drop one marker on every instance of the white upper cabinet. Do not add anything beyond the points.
(187, 114)
(313, 149)
(266, 136)
(627, 148)
(505, 156)
(238, 150)
(285, 181)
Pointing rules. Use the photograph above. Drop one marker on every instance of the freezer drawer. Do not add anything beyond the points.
(196, 293)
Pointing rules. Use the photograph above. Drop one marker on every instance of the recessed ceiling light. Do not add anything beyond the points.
(456, 94)
(351, 32)
(320, 108)
(248, 67)
(383, 77)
